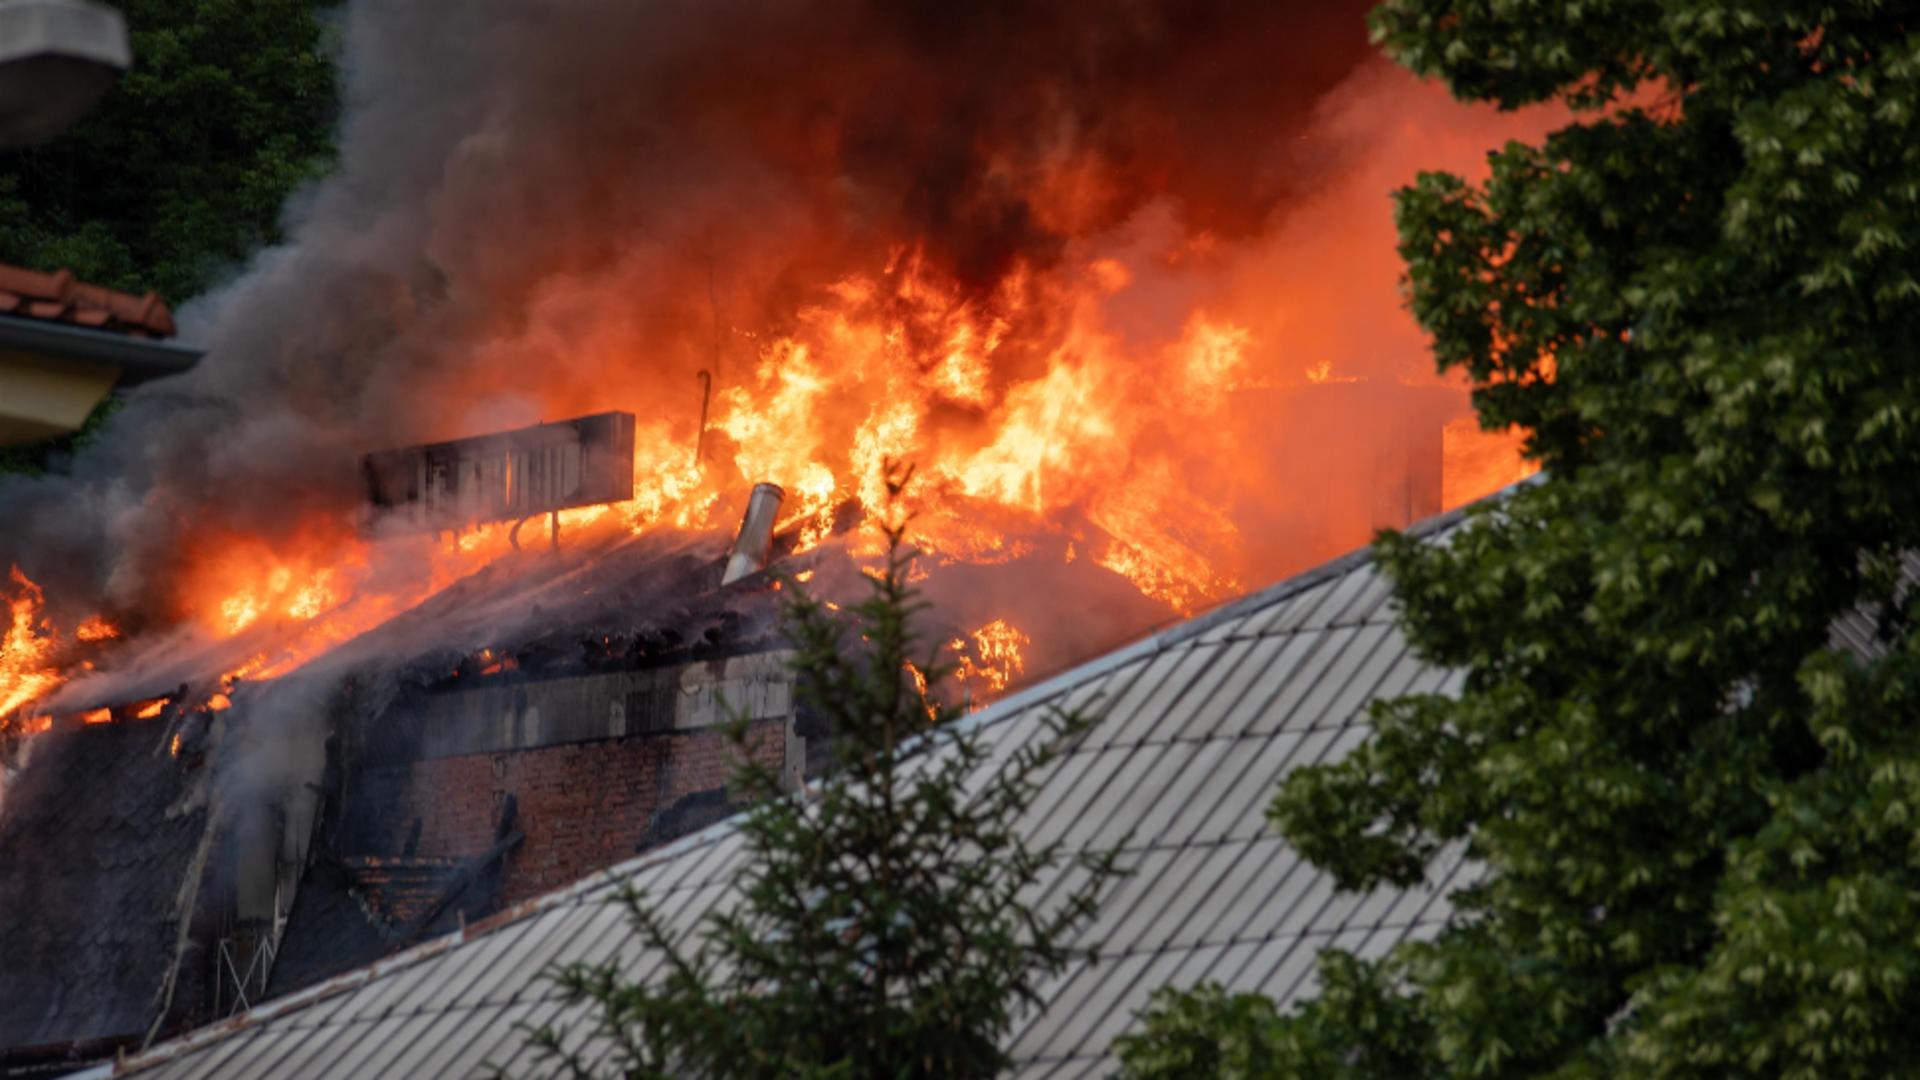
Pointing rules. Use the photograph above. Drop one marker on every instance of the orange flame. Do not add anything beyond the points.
(990, 662)
(1095, 406)
(96, 629)
(26, 671)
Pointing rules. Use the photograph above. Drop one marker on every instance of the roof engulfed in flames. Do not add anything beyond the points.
(1089, 315)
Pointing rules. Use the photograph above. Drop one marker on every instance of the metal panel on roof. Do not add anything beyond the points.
(1316, 705)
(1222, 964)
(1267, 882)
(1081, 773)
(384, 1053)
(299, 1045)
(478, 973)
(511, 1054)
(1279, 965)
(1078, 1004)
(1137, 788)
(1239, 664)
(1118, 711)
(1156, 709)
(1383, 661)
(1348, 601)
(449, 1047)
(1139, 898)
(1287, 698)
(1107, 1014)
(1192, 769)
(1240, 812)
(1277, 662)
(1287, 614)
(1226, 629)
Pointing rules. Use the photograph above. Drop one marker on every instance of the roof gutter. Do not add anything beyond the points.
(139, 359)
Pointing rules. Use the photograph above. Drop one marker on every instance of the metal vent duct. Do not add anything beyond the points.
(755, 542)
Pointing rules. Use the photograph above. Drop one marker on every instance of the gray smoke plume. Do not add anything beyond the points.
(690, 156)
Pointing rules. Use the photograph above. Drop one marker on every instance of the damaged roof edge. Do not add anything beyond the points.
(1009, 706)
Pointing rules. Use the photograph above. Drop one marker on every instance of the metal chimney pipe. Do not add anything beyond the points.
(755, 542)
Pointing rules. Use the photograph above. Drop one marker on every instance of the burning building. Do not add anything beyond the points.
(278, 833)
(1120, 287)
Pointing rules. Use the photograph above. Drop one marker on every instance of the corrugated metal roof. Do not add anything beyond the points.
(1201, 721)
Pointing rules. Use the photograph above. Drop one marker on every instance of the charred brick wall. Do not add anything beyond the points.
(579, 806)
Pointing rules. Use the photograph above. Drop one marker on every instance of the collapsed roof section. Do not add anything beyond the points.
(105, 842)
(544, 719)
(1199, 723)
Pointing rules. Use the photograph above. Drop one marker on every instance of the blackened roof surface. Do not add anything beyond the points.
(1200, 723)
(100, 844)
(351, 911)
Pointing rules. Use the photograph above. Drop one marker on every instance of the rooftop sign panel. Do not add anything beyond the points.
(505, 476)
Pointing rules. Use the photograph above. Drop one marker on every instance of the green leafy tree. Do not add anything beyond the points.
(181, 170)
(888, 924)
(1698, 808)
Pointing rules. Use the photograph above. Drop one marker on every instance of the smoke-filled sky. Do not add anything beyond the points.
(546, 209)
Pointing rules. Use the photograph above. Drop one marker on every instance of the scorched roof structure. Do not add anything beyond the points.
(1200, 721)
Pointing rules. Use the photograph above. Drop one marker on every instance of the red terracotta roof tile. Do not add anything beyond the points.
(57, 297)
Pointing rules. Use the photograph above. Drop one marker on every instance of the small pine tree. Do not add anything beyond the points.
(886, 925)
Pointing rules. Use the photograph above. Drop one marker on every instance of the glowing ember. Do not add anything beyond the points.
(96, 629)
(151, 709)
(173, 745)
(26, 649)
(990, 658)
(98, 716)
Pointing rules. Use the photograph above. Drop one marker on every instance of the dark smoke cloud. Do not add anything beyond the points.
(699, 153)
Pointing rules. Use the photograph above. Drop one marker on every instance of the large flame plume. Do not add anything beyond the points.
(1118, 280)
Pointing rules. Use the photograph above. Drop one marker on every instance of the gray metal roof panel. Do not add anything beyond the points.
(1134, 791)
(1225, 964)
(1137, 695)
(263, 1053)
(1193, 770)
(1225, 630)
(1276, 662)
(1384, 660)
(1185, 673)
(1279, 965)
(385, 1053)
(1139, 900)
(1077, 1004)
(447, 1047)
(1105, 1014)
(1240, 812)
(1314, 708)
(1289, 702)
(1237, 666)
(1349, 599)
(479, 970)
(1265, 884)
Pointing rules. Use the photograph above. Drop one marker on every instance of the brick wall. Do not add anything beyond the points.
(581, 806)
